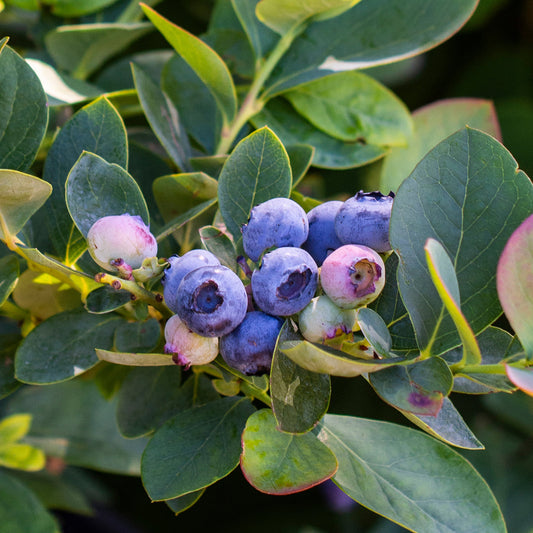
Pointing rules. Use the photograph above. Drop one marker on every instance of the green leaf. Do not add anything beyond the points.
(137, 336)
(257, 170)
(299, 397)
(151, 396)
(178, 505)
(432, 124)
(419, 388)
(443, 275)
(369, 34)
(390, 307)
(75, 8)
(392, 469)
(284, 15)
(82, 49)
(329, 152)
(301, 157)
(199, 447)
(210, 165)
(447, 426)
(106, 299)
(163, 118)
(375, 330)
(178, 193)
(21, 511)
(45, 356)
(21, 195)
(23, 111)
(22, 457)
(261, 38)
(279, 463)
(514, 279)
(468, 194)
(9, 273)
(134, 359)
(207, 64)
(74, 422)
(218, 243)
(14, 428)
(352, 106)
(325, 360)
(96, 128)
(96, 188)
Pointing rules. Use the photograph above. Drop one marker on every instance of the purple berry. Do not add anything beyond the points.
(275, 223)
(285, 282)
(120, 240)
(212, 301)
(250, 346)
(179, 267)
(322, 239)
(352, 276)
(364, 219)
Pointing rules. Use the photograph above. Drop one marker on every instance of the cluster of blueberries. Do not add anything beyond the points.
(332, 251)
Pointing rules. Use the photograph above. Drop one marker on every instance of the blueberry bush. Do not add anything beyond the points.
(180, 298)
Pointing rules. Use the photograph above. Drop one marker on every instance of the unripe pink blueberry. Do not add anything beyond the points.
(120, 237)
(352, 276)
(189, 347)
(321, 319)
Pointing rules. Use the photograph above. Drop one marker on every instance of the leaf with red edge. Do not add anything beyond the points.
(521, 377)
(514, 281)
(279, 463)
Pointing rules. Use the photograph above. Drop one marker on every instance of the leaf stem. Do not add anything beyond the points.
(252, 104)
(139, 292)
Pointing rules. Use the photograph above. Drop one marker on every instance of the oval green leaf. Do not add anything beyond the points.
(299, 397)
(515, 282)
(207, 64)
(279, 463)
(468, 194)
(62, 346)
(352, 106)
(392, 469)
(369, 34)
(195, 448)
(96, 188)
(375, 330)
(218, 243)
(106, 299)
(257, 170)
(135, 359)
(23, 111)
(96, 128)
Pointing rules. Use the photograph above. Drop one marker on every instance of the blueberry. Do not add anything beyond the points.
(352, 276)
(179, 267)
(273, 224)
(285, 282)
(321, 319)
(364, 219)
(188, 347)
(211, 300)
(250, 346)
(120, 239)
(322, 239)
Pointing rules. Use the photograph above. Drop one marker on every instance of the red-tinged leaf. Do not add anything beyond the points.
(280, 463)
(521, 377)
(514, 281)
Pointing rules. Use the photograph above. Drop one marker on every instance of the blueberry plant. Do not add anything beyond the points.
(175, 305)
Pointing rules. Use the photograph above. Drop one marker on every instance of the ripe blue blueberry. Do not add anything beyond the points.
(352, 276)
(179, 267)
(250, 346)
(273, 224)
(364, 219)
(188, 348)
(321, 319)
(285, 282)
(211, 300)
(120, 239)
(322, 239)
